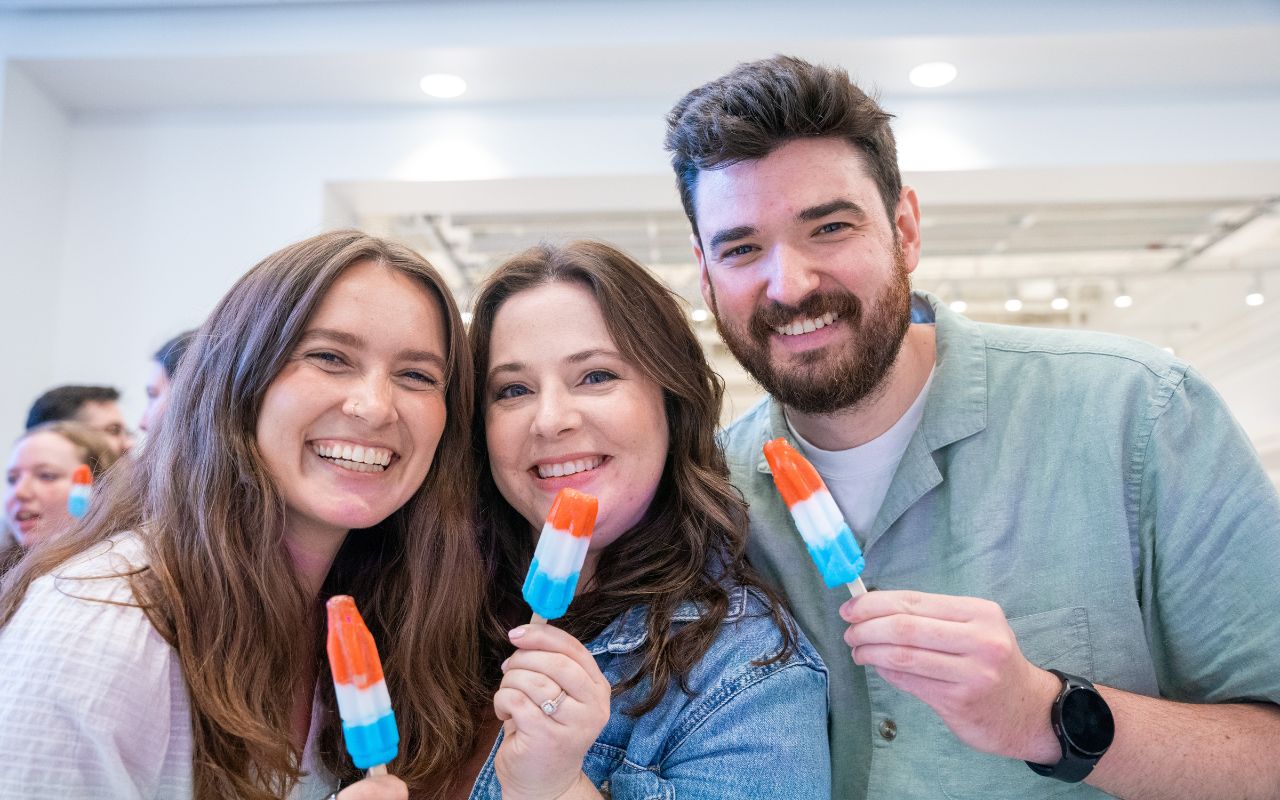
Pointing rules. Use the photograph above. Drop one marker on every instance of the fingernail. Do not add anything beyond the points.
(516, 633)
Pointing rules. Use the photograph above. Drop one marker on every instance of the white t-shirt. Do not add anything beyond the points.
(859, 477)
(93, 702)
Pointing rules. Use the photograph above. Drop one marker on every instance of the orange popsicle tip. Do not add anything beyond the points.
(574, 511)
(352, 654)
(794, 476)
(83, 476)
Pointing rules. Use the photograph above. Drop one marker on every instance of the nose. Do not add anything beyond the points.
(371, 400)
(791, 277)
(556, 413)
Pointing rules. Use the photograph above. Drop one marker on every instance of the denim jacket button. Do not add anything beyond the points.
(888, 730)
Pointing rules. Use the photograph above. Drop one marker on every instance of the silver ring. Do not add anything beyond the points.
(549, 707)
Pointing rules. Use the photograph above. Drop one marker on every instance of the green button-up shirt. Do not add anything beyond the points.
(1097, 489)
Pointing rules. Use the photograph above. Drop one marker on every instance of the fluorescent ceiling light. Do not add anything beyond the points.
(933, 74)
(443, 85)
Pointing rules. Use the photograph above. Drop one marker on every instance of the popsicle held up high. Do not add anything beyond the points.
(827, 536)
(368, 723)
(557, 560)
(81, 488)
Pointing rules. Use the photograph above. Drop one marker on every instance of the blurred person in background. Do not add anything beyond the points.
(98, 407)
(38, 482)
(164, 365)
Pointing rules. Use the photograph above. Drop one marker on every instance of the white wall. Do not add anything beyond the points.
(34, 135)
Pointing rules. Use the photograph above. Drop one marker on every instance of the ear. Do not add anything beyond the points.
(704, 280)
(907, 224)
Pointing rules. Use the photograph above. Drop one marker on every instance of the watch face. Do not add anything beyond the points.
(1087, 721)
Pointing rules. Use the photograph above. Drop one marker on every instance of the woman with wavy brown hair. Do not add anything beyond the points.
(674, 672)
(173, 644)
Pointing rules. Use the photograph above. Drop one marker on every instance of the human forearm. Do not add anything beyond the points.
(1169, 750)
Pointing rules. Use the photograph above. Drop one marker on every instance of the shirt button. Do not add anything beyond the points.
(888, 730)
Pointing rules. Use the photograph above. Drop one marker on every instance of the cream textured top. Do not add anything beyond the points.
(92, 700)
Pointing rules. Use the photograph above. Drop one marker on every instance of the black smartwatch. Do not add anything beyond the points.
(1084, 726)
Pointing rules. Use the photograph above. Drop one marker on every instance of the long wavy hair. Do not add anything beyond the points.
(691, 541)
(219, 585)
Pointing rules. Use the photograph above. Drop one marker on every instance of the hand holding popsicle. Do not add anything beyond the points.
(557, 561)
(830, 541)
(81, 488)
(368, 723)
(553, 702)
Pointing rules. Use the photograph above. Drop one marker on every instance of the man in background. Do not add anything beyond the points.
(96, 407)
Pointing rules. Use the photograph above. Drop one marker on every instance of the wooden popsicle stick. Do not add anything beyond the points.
(537, 619)
(857, 588)
(378, 769)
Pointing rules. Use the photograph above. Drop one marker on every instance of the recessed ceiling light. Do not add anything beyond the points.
(959, 306)
(1254, 299)
(933, 74)
(1123, 301)
(443, 85)
(1013, 305)
(1059, 303)
(700, 315)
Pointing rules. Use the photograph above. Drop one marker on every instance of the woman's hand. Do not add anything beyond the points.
(376, 787)
(541, 753)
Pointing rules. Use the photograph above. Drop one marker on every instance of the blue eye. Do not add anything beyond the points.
(599, 376)
(740, 250)
(421, 377)
(511, 390)
(326, 357)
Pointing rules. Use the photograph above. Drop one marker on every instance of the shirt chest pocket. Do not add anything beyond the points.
(1058, 639)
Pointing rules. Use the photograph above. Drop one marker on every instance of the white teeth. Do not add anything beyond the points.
(568, 467)
(807, 325)
(355, 457)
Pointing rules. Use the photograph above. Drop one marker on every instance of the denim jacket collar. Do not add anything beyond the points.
(629, 631)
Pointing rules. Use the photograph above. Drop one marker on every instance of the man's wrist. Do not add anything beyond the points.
(1042, 745)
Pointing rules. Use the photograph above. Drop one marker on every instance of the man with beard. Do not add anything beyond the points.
(1027, 500)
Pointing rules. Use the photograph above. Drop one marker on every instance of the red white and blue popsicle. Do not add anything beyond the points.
(830, 541)
(557, 561)
(81, 488)
(368, 723)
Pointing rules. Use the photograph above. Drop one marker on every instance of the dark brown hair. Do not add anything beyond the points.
(219, 585)
(692, 539)
(759, 106)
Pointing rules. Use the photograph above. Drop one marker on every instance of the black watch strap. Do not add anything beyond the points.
(1083, 724)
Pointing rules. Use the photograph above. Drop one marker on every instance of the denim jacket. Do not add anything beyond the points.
(745, 731)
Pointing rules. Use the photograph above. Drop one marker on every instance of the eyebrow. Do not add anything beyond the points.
(827, 209)
(805, 215)
(358, 343)
(575, 358)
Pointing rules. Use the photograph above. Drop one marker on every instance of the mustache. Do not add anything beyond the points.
(774, 315)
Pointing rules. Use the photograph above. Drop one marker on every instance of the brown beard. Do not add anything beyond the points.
(827, 380)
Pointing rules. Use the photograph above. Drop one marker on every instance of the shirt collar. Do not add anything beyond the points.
(630, 630)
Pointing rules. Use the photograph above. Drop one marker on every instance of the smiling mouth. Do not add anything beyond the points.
(806, 325)
(566, 468)
(356, 458)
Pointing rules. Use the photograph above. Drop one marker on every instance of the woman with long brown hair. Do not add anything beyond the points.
(675, 673)
(316, 443)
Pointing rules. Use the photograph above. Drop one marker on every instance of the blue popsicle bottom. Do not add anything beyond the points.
(839, 560)
(373, 744)
(548, 597)
(77, 505)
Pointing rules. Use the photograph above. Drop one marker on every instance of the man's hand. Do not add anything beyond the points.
(960, 657)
